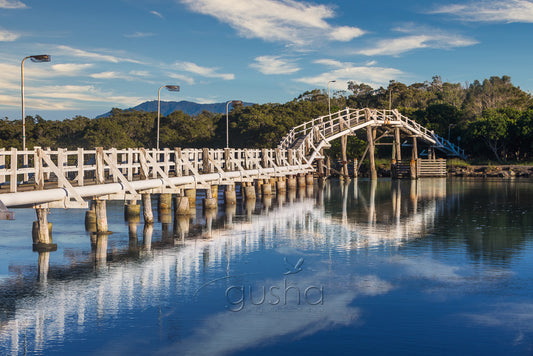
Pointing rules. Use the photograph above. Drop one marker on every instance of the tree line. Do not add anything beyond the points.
(492, 119)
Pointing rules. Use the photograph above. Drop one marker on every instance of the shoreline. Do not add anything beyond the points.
(486, 171)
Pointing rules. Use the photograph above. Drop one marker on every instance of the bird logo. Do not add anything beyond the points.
(293, 269)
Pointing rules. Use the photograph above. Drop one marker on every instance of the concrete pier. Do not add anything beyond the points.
(132, 211)
(230, 196)
(191, 194)
(181, 206)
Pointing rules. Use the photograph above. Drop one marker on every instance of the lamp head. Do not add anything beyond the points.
(236, 102)
(172, 87)
(41, 58)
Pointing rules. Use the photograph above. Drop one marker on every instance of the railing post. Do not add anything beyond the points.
(166, 160)
(227, 160)
(2, 164)
(13, 169)
(100, 172)
(39, 168)
(177, 161)
(61, 159)
(130, 164)
(80, 167)
(205, 161)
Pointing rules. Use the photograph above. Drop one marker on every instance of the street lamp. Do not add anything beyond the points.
(40, 58)
(329, 101)
(169, 88)
(233, 102)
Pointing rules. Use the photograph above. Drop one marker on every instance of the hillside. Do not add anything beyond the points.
(188, 107)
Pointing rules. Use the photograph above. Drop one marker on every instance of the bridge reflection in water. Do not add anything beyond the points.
(106, 283)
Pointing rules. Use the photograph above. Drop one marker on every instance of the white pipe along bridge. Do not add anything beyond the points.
(68, 178)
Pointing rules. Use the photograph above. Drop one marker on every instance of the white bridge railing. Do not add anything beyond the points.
(133, 170)
(307, 136)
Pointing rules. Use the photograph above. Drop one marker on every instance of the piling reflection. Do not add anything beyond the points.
(338, 217)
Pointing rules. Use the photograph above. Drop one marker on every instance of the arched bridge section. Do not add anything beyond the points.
(312, 136)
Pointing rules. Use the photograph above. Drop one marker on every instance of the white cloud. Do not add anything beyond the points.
(346, 33)
(183, 78)
(203, 71)
(69, 69)
(288, 21)
(139, 34)
(417, 38)
(12, 4)
(8, 36)
(157, 14)
(75, 52)
(140, 73)
(274, 65)
(330, 63)
(344, 72)
(491, 11)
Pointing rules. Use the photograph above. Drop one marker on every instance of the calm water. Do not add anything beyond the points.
(432, 267)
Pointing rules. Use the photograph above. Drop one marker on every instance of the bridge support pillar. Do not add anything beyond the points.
(328, 166)
(344, 144)
(370, 135)
(191, 194)
(266, 189)
(320, 167)
(132, 211)
(147, 208)
(230, 196)
(165, 203)
(90, 217)
(101, 216)
(209, 203)
(214, 191)
(355, 164)
(273, 184)
(249, 193)
(281, 185)
(42, 232)
(309, 179)
(181, 206)
(301, 181)
(414, 156)
(291, 183)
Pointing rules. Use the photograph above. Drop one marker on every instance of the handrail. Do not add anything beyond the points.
(330, 125)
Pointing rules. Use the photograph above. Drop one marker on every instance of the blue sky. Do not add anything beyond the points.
(117, 53)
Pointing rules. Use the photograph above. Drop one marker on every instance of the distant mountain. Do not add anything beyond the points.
(188, 107)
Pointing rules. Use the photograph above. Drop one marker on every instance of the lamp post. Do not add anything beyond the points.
(233, 102)
(329, 100)
(40, 58)
(169, 88)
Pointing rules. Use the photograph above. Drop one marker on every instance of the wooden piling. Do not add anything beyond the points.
(191, 194)
(301, 181)
(230, 196)
(101, 216)
(281, 185)
(414, 156)
(147, 208)
(132, 211)
(370, 137)
(249, 193)
(181, 206)
(344, 144)
(165, 203)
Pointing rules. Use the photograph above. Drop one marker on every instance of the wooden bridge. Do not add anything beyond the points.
(67, 179)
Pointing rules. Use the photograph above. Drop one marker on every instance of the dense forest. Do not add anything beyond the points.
(491, 120)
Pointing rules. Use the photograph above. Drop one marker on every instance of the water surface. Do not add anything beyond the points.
(426, 267)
